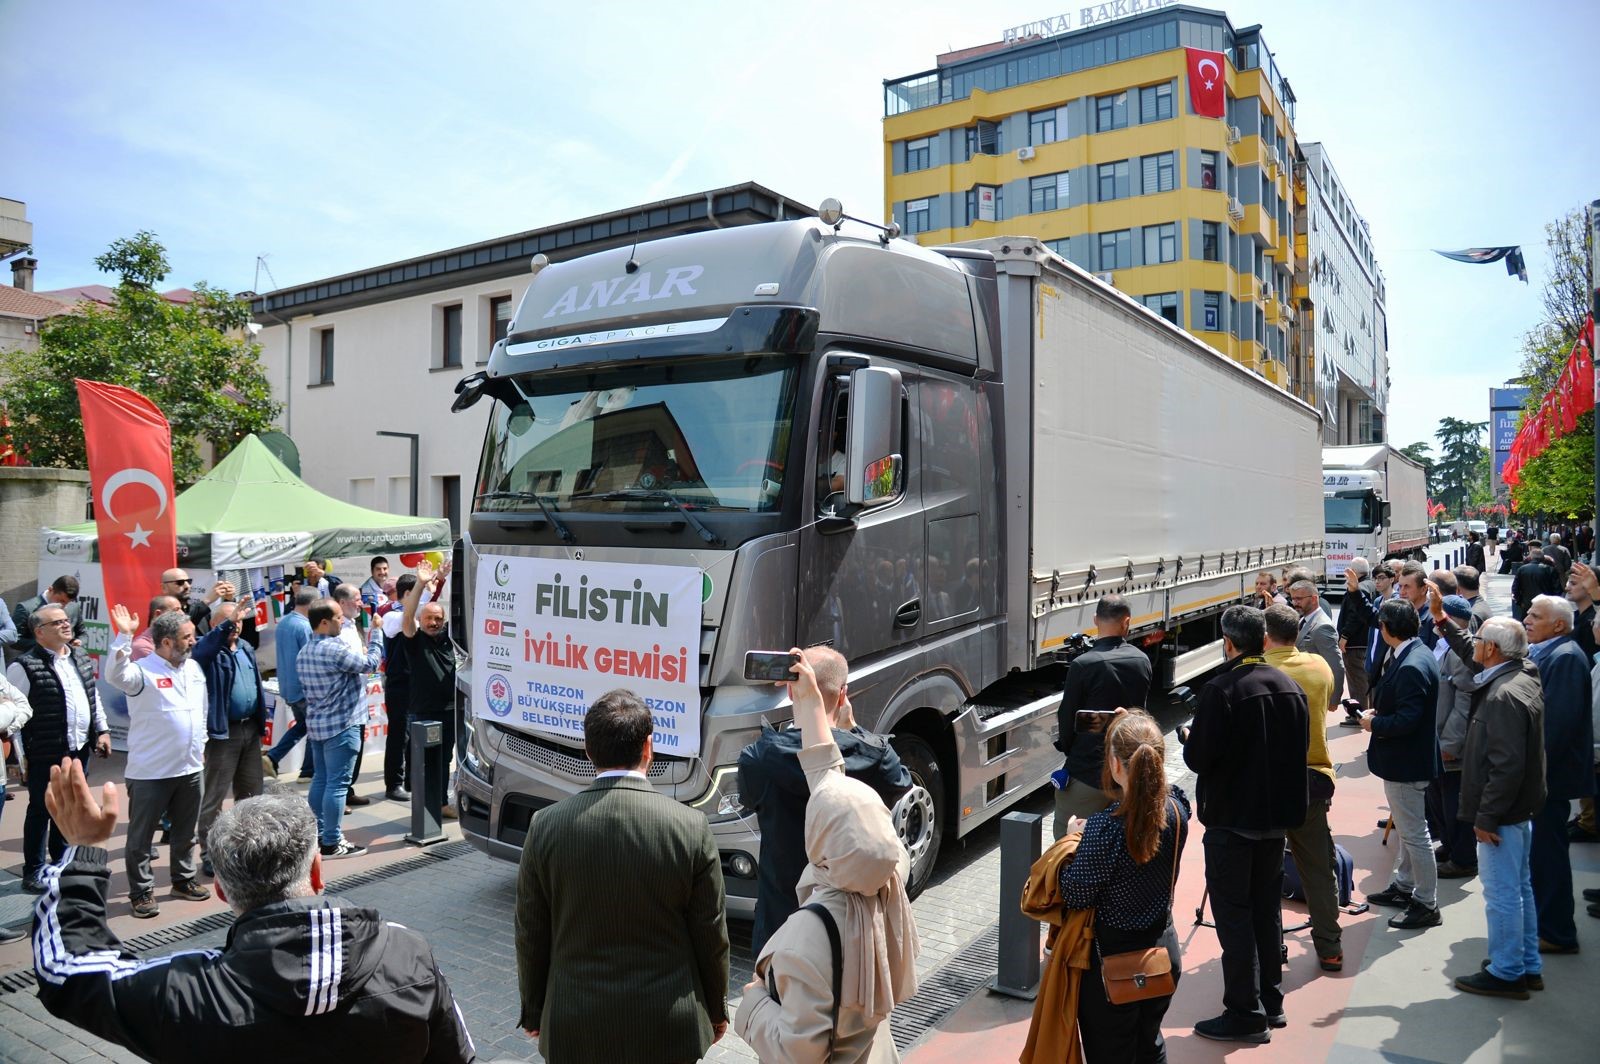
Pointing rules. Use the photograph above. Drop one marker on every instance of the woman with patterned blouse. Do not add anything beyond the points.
(1125, 869)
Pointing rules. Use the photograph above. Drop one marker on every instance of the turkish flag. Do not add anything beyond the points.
(1208, 94)
(129, 445)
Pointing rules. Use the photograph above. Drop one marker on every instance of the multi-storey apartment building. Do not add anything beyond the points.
(1342, 311)
(1087, 140)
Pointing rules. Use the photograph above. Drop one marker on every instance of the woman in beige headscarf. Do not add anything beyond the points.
(857, 871)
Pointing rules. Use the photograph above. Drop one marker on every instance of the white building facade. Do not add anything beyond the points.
(381, 350)
(1347, 296)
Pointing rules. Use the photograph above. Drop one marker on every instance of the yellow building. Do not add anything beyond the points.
(1086, 139)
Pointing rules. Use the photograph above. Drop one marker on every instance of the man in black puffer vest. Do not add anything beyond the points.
(68, 721)
(1248, 746)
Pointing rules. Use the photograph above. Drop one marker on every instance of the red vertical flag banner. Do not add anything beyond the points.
(1208, 94)
(129, 445)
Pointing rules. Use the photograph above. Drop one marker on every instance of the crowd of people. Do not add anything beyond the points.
(198, 710)
(1480, 727)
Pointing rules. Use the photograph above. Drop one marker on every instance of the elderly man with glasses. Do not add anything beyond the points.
(57, 678)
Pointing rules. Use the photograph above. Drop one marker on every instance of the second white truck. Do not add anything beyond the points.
(1375, 504)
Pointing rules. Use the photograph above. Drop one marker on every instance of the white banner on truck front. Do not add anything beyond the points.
(552, 635)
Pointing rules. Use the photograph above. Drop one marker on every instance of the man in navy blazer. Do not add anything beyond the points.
(1404, 753)
(1569, 770)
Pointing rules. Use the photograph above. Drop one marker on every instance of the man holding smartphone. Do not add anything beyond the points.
(773, 786)
(1112, 674)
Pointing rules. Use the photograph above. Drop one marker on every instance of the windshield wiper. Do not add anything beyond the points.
(549, 513)
(665, 496)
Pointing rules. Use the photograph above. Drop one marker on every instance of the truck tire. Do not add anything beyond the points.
(919, 814)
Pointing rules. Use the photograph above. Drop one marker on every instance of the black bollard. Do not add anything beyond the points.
(427, 781)
(1020, 835)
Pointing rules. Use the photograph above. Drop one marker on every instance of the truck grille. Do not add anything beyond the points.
(578, 767)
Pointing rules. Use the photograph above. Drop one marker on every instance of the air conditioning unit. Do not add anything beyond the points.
(1234, 136)
(1107, 278)
(1235, 209)
(1277, 159)
(1025, 152)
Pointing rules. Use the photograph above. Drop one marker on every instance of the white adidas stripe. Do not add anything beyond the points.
(314, 959)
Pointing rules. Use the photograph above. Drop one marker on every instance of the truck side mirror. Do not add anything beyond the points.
(874, 466)
(1386, 515)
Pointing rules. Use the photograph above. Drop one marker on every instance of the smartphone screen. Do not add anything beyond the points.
(1092, 720)
(769, 666)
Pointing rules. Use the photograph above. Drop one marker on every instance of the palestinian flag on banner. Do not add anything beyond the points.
(280, 602)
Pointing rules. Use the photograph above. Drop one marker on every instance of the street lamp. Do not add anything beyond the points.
(415, 443)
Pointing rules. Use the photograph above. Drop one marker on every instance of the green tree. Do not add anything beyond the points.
(1418, 452)
(1561, 480)
(192, 360)
(1461, 459)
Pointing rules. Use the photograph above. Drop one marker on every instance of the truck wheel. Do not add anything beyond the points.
(919, 814)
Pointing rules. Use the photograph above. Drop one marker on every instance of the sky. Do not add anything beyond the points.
(329, 138)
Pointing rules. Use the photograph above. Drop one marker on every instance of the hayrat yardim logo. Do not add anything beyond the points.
(502, 573)
(498, 694)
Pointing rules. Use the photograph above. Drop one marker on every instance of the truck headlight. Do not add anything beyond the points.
(469, 758)
(721, 802)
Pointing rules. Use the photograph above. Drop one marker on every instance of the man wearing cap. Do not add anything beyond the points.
(1458, 680)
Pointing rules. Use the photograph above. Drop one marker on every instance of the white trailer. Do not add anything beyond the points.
(1375, 502)
(1161, 468)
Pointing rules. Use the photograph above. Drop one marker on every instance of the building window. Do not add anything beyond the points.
(1113, 178)
(450, 336)
(1160, 243)
(1111, 112)
(919, 216)
(1047, 127)
(1048, 193)
(499, 322)
(985, 138)
(918, 154)
(985, 203)
(1116, 250)
(1208, 169)
(1164, 304)
(1160, 172)
(1155, 102)
(322, 357)
(1211, 311)
(1211, 241)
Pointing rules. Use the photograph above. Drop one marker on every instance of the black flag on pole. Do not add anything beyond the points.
(1512, 255)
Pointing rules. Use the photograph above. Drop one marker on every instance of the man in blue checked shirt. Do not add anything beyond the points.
(333, 681)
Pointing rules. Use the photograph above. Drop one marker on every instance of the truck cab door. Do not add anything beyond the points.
(861, 571)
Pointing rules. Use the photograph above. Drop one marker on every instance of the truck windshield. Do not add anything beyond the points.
(1348, 513)
(712, 433)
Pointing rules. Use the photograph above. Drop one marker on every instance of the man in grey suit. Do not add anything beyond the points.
(621, 935)
(1317, 634)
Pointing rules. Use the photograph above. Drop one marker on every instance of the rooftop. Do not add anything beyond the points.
(1035, 53)
(35, 306)
(508, 256)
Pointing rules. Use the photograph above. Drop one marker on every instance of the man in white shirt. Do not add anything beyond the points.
(57, 679)
(166, 749)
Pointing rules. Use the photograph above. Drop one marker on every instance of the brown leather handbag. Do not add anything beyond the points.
(1141, 974)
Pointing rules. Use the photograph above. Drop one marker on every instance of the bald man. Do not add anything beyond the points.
(773, 787)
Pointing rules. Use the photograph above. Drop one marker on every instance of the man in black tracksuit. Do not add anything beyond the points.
(772, 785)
(1112, 674)
(1248, 747)
(302, 977)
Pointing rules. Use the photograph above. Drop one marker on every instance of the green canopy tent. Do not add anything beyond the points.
(251, 511)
